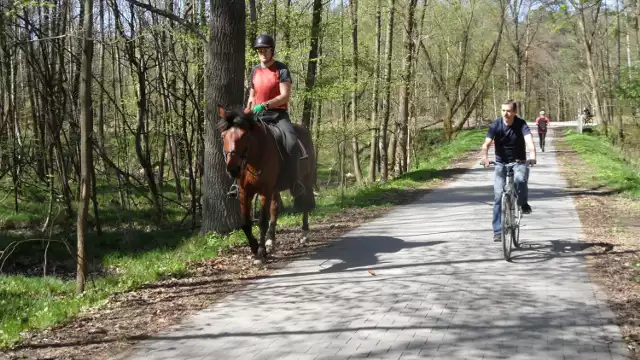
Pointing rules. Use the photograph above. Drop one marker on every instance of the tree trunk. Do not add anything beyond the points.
(343, 112)
(495, 100)
(142, 143)
(224, 86)
(101, 136)
(353, 9)
(587, 43)
(275, 19)
(312, 63)
(317, 115)
(617, 83)
(628, 42)
(86, 128)
(386, 102)
(253, 21)
(252, 33)
(559, 115)
(403, 111)
(375, 130)
(10, 116)
(200, 75)
(287, 28)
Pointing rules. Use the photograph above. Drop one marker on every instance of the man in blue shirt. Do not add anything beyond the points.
(511, 136)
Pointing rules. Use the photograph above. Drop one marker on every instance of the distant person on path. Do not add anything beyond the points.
(587, 116)
(511, 135)
(543, 122)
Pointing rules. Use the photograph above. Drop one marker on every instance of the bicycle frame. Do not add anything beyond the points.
(510, 190)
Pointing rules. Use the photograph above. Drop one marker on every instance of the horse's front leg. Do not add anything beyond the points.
(245, 209)
(265, 201)
(271, 233)
(305, 228)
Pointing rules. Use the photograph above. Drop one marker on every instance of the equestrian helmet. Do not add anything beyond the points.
(264, 41)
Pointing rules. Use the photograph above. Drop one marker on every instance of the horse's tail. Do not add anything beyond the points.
(307, 202)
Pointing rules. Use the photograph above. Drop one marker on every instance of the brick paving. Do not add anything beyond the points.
(441, 291)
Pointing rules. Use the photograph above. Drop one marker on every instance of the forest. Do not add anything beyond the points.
(107, 107)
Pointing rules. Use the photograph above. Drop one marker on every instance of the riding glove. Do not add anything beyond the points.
(259, 108)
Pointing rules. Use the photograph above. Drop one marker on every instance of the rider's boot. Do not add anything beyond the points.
(297, 188)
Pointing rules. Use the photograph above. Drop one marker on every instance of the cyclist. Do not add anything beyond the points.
(511, 135)
(269, 97)
(543, 122)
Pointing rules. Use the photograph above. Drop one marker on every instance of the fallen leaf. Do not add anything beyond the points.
(371, 272)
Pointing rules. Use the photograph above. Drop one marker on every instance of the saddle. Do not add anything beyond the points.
(279, 136)
(288, 168)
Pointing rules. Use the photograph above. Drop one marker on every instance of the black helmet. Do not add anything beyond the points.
(264, 41)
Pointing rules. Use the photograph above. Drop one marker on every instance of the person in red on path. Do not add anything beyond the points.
(543, 122)
(269, 98)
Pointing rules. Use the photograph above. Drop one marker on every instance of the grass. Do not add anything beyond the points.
(122, 261)
(38, 302)
(610, 167)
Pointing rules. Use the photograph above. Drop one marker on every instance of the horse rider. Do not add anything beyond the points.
(269, 96)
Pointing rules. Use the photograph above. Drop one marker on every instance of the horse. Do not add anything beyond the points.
(253, 156)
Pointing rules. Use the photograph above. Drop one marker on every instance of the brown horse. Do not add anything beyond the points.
(253, 157)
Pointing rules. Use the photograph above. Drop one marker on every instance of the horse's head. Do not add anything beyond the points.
(235, 127)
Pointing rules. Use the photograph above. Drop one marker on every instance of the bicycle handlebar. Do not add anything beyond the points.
(528, 162)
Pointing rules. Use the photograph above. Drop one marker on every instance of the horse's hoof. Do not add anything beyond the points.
(304, 238)
(271, 246)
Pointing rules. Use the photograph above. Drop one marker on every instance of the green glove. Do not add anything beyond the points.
(259, 108)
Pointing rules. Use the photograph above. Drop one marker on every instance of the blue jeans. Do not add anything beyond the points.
(521, 175)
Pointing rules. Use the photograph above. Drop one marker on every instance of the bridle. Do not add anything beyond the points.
(243, 157)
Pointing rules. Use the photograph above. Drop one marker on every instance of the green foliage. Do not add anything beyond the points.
(629, 88)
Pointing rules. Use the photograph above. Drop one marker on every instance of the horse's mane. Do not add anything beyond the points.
(236, 117)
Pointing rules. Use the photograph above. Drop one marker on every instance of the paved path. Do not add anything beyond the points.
(442, 290)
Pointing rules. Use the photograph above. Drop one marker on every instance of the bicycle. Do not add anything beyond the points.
(511, 211)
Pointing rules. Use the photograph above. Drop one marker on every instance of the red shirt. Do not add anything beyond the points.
(265, 82)
(545, 119)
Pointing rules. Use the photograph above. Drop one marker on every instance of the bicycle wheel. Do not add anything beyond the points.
(516, 227)
(507, 227)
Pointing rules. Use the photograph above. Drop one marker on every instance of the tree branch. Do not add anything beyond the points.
(437, 76)
(173, 17)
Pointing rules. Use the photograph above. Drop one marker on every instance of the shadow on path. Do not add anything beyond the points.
(361, 251)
